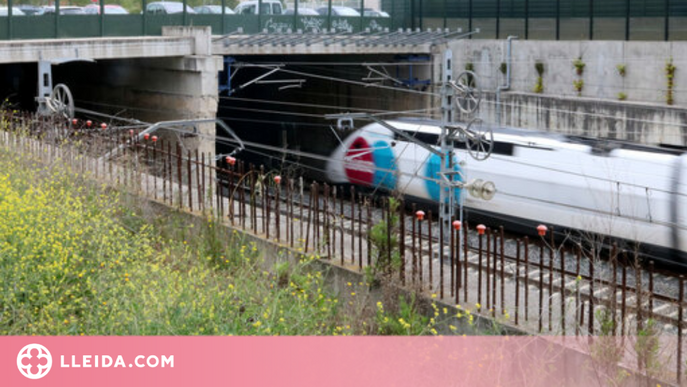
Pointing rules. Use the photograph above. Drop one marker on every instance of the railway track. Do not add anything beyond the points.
(563, 286)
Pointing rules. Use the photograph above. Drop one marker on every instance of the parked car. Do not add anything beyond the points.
(110, 9)
(29, 9)
(269, 7)
(167, 8)
(213, 9)
(369, 12)
(302, 11)
(4, 11)
(338, 11)
(64, 10)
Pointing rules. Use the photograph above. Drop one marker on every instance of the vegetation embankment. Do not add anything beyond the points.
(77, 259)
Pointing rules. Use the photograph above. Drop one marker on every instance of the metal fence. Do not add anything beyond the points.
(57, 25)
(536, 284)
(548, 19)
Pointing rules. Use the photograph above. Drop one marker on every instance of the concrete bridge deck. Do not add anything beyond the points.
(193, 43)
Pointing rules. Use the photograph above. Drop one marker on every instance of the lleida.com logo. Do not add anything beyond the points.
(34, 361)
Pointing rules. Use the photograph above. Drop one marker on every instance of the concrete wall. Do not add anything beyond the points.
(645, 79)
(644, 123)
(597, 111)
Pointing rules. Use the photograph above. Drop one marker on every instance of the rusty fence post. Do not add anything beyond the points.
(680, 304)
(170, 173)
(190, 180)
(552, 252)
(179, 176)
(413, 247)
(402, 241)
(353, 225)
(563, 290)
(541, 285)
(199, 187)
(517, 281)
(480, 230)
(502, 238)
(430, 251)
(651, 289)
(591, 294)
(277, 202)
(369, 227)
(307, 229)
(451, 252)
(578, 310)
(488, 267)
(527, 277)
(623, 304)
(441, 259)
(340, 221)
(614, 287)
(361, 203)
(327, 219)
(465, 251)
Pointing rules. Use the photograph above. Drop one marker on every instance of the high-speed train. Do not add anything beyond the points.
(630, 192)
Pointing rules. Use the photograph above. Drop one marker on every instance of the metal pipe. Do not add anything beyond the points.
(506, 87)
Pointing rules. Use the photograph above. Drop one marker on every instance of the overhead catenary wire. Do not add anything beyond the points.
(538, 200)
(319, 106)
(325, 158)
(352, 82)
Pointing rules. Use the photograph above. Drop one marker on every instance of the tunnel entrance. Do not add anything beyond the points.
(286, 109)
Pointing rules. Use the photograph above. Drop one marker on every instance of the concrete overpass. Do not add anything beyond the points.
(175, 76)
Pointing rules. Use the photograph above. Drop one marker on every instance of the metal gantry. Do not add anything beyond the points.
(367, 38)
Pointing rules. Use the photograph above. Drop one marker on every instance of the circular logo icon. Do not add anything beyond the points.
(34, 361)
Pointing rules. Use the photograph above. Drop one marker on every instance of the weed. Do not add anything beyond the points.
(579, 66)
(670, 81)
(622, 69)
(578, 85)
(539, 86)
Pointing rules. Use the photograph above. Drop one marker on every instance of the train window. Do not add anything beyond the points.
(427, 138)
(500, 148)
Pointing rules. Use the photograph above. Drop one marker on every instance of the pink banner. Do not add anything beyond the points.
(297, 361)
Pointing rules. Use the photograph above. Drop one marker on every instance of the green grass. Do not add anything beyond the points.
(77, 259)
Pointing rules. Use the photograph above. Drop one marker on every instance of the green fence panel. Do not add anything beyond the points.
(79, 26)
(376, 24)
(277, 23)
(123, 25)
(34, 27)
(516, 8)
(647, 8)
(249, 23)
(311, 24)
(214, 21)
(536, 9)
(4, 23)
(156, 22)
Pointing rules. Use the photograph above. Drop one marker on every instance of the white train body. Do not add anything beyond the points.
(634, 193)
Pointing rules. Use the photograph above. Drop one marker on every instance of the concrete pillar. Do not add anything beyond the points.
(155, 89)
